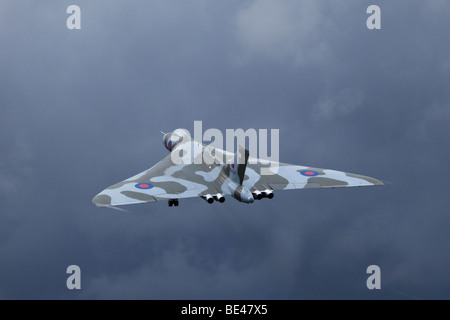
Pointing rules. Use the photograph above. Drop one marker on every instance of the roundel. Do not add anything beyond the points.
(144, 186)
(309, 173)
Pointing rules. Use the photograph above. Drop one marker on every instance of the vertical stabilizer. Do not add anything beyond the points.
(238, 165)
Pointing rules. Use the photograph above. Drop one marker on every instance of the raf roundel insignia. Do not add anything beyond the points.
(309, 173)
(144, 186)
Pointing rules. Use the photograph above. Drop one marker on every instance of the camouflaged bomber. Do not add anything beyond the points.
(195, 170)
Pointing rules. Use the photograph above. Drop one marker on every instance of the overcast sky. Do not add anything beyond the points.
(83, 109)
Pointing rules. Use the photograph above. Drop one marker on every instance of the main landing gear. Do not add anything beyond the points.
(173, 202)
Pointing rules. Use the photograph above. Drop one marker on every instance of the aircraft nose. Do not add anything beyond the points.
(165, 138)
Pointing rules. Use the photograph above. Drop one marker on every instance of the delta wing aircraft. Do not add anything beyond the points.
(216, 173)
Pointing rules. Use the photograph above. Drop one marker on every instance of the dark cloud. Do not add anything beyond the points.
(81, 110)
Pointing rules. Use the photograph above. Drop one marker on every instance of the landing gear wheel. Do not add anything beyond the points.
(173, 202)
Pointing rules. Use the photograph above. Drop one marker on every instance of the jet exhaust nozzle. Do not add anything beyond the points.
(257, 195)
(208, 198)
(219, 197)
(268, 194)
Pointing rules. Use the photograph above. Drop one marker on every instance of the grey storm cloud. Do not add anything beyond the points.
(82, 109)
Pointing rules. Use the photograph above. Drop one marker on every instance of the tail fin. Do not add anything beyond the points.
(238, 166)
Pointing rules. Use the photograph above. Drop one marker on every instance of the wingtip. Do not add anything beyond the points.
(368, 181)
(102, 200)
(377, 182)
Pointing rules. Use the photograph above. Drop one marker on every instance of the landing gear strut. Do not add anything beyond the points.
(173, 202)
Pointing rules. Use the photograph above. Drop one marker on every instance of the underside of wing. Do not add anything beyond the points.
(163, 181)
(287, 176)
